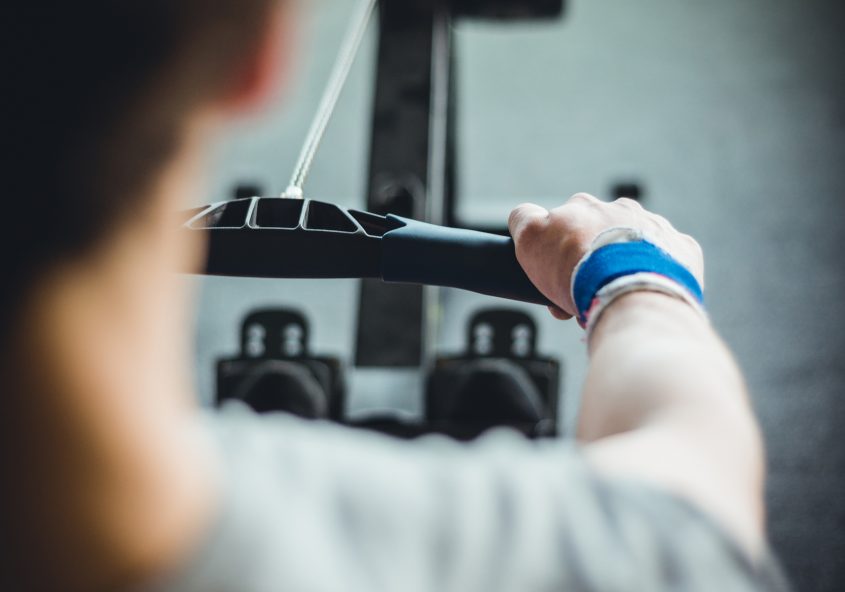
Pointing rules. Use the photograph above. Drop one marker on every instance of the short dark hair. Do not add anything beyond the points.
(97, 92)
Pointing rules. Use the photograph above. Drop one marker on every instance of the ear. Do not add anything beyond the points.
(265, 69)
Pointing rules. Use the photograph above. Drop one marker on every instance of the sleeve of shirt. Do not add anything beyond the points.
(316, 507)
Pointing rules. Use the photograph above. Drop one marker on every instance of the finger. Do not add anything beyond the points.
(583, 197)
(629, 203)
(524, 216)
(559, 314)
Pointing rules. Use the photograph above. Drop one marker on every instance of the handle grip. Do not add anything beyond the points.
(422, 253)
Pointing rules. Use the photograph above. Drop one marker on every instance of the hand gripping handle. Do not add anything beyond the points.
(422, 253)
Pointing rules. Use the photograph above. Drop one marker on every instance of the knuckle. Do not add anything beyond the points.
(583, 198)
(627, 202)
(526, 221)
(532, 226)
(519, 210)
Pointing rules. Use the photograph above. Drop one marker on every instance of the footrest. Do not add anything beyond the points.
(275, 370)
(499, 381)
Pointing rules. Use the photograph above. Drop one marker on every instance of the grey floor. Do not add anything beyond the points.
(731, 114)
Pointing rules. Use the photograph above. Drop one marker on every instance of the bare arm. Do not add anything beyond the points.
(664, 401)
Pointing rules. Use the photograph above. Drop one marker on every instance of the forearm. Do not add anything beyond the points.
(652, 356)
(664, 401)
(663, 392)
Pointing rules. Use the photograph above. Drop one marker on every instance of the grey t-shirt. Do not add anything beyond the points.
(314, 507)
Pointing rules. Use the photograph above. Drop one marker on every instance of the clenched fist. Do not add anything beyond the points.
(550, 243)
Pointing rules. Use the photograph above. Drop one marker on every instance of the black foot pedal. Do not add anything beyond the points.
(275, 370)
(499, 381)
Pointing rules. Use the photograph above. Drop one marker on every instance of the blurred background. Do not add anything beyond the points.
(729, 116)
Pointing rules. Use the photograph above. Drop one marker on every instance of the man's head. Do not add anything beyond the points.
(109, 103)
(100, 97)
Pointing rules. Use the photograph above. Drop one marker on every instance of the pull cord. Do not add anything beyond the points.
(334, 86)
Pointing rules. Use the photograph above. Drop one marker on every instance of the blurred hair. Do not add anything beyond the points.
(96, 94)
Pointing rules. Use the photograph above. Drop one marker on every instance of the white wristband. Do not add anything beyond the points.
(638, 282)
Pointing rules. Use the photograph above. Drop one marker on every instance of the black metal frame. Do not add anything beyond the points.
(412, 154)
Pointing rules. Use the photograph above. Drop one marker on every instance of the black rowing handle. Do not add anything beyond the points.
(292, 238)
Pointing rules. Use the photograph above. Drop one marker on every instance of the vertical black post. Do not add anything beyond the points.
(410, 168)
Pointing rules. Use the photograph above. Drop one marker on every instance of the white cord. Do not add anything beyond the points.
(342, 66)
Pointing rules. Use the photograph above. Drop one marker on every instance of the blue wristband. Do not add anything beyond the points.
(620, 259)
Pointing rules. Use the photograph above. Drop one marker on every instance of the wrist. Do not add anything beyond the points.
(643, 282)
(621, 261)
(661, 314)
